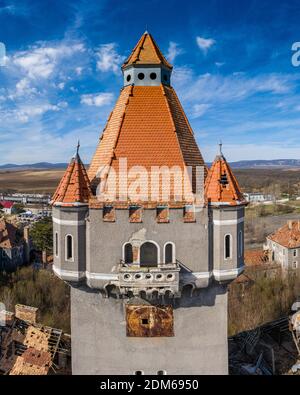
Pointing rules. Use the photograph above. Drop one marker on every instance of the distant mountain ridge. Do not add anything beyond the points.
(242, 164)
(246, 164)
(33, 166)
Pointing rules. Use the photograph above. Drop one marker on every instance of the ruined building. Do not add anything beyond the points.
(148, 271)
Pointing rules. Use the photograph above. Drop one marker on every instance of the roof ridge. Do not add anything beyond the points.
(172, 120)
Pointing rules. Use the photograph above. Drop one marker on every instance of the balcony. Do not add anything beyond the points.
(162, 279)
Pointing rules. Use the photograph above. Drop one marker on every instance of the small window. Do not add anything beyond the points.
(161, 373)
(56, 244)
(139, 372)
(295, 265)
(141, 76)
(153, 76)
(166, 78)
(128, 78)
(128, 253)
(227, 246)
(240, 243)
(169, 253)
(295, 253)
(69, 247)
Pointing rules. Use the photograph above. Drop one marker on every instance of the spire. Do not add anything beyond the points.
(74, 188)
(221, 186)
(146, 52)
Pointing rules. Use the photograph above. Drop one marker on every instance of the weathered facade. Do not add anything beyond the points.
(148, 266)
(283, 246)
(14, 247)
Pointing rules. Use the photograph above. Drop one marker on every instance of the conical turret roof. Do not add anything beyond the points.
(74, 188)
(221, 186)
(146, 52)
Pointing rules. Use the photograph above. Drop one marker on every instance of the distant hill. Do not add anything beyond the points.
(242, 164)
(265, 164)
(246, 164)
(33, 166)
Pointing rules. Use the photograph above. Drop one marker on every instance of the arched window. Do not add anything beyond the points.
(128, 254)
(69, 248)
(227, 242)
(169, 253)
(240, 243)
(148, 254)
(56, 244)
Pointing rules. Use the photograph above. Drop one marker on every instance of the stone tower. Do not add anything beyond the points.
(150, 238)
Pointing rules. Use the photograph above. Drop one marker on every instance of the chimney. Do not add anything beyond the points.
(26, 313)
(6, 318)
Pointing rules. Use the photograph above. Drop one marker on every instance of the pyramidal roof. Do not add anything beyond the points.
(149, 128)
(221, 186)
(146, 52)
(74, 188)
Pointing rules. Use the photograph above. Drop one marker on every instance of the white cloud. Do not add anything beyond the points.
(173, 51)
(108, 58)
(24, 88)
(40, 61)
(78, 70)
(200, 109)
(205, 43)
(97, 99)
(219, 64)
(210, 88)
(26, 112)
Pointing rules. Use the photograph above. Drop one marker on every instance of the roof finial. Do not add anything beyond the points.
(146, 31)
(220, 147)
(77, 149)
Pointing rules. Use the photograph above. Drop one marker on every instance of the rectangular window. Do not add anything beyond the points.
(189, 213)
(162, 214)
(69, 248)
(227, 246)
(109, 214)
(295, 252)
(56, 244)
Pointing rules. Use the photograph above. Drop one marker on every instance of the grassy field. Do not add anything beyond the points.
(30, 181)
(264, 180)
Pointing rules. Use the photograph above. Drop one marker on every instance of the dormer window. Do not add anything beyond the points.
(223, 179)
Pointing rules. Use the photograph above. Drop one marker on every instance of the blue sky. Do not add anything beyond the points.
(232, 71)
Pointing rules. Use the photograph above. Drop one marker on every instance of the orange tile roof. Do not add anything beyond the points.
(288, 235)
(221, 185)
(74, 187)
(255, 257)
(149, 128)
(146, 52)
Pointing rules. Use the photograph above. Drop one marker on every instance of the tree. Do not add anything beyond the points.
(42, 235)
(19, 208)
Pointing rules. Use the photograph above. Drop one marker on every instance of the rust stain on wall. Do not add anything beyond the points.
(149, 321)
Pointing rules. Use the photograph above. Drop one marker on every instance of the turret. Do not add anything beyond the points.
(226, 205)
(70, 209)
(146, 66)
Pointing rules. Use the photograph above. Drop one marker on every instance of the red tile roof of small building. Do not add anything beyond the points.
(288, 235)
(221, 186)
(6, 204)
(255, 257)
(74, 187)
(146, 52)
